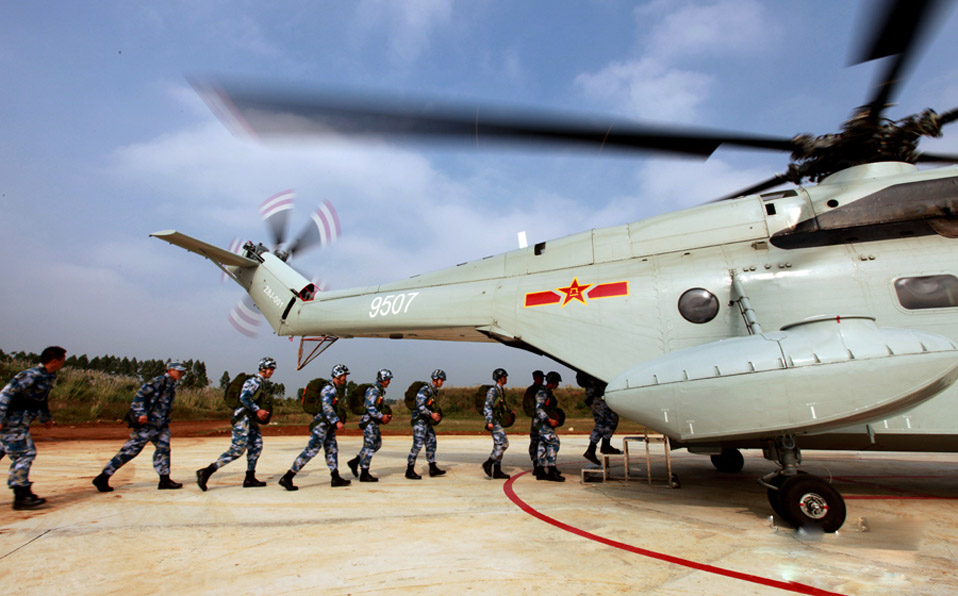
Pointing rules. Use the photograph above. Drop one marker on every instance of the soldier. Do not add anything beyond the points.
(372, 418)
(323, 433)
(23, 399)
(151, 407)
(246, 433)
(422, 432)
(500, 442)
(548, 439)
(605, 419)
(538, 382)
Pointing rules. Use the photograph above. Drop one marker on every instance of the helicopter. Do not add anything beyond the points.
(822, 316)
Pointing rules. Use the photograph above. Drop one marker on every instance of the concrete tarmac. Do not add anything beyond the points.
(466, 533)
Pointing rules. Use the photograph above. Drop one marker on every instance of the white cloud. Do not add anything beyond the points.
(647, 89)
(698, 28)
(407, 25)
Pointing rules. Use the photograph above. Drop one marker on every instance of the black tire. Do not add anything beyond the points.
(808, 501)
(730, 461)
(773, 495)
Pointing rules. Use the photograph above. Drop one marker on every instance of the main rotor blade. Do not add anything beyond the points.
(275, 212)
(322, 229)
(772, 182)
(900, 27)
(937, 158)
(286, 114)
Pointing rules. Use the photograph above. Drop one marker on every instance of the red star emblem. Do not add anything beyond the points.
(574, 291)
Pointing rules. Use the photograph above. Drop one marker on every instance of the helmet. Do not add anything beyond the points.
(438, 374)
(537, 373)
(553, 377)
(499, 373)
(339, 370)
(175, 365)
(384, 374)
(267, 363)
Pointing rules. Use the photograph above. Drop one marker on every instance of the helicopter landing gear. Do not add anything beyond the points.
(729, 461)
(801, 499)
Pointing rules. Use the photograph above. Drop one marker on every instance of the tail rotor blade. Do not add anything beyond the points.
(323, 229)
(245, 317)
(275, 212)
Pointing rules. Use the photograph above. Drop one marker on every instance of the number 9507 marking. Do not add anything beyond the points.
(392, 304)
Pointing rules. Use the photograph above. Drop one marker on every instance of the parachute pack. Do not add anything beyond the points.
(409, 398)
(480, 398)
(233, 390)
(357, 399)
(312, 402)
(529, 400)
(501, 412)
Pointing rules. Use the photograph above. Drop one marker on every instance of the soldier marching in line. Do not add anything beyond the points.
(323, 434)
(422, 432)
(246, 434)
(548, 439)
(22, 400)
(605, 419)
(500, 442)
(150, 421)
(369, 423)
(538, 382)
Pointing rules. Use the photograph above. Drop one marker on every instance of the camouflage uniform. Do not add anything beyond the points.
(246, 433)
(605, 419)
(500, 442)
(423, 434)
(534, 430)
(372, 418)
(323, 434)
(21, 401)
(548, 439)
(155, 401)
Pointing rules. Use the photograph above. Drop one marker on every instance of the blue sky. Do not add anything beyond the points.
(103, 141)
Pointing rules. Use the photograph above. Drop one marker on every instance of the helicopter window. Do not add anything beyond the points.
(698, 305)
(770, 208)
(931, 291)
(540, 248)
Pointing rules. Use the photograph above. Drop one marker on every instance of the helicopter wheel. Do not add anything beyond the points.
(729, 461)
(807, 501)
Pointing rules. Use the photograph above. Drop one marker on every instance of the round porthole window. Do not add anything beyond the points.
(698, 305)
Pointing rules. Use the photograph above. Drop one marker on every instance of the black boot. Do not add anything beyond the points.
(23, 499)
(354, 466)
(250, 481)
(434, 470)
(203, 475)
(102, 483)
(337, 480)
(590, 454)
(36, 499)
(608, 449)
(411, 473)
(487, 467)
(554, 474)
(365, 476)
(165, 483)
(541, 473)
(498, 473)
(287, 481)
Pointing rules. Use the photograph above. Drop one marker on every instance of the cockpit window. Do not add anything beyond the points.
(931, 291)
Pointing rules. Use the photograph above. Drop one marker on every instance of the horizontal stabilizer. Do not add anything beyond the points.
(213, 253)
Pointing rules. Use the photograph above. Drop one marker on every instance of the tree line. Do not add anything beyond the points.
(195, 376)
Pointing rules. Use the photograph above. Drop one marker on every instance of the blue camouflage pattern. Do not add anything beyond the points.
(500, 442)
(322, 433)
(155, 401)
(606, 421)
(534, 432)
(23, 400)
(370, 421)
(548, 449)
(423, 434)
(246, 434)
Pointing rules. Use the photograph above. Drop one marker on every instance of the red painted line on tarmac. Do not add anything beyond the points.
(790, 586)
